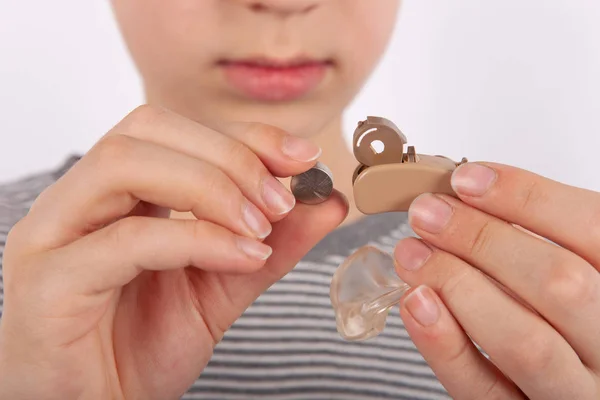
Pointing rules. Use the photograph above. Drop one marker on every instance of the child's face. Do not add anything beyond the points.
(291, 63)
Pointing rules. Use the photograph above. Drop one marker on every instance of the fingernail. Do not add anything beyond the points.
(254, 249)
(299, 149)
(256, 221)
(411, 254)
(472, 179)
(421, 304)
(277, 197)
(430, 213)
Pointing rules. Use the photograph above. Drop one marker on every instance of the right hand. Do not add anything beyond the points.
(106, 297)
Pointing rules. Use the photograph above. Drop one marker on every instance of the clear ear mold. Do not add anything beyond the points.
(363, 290)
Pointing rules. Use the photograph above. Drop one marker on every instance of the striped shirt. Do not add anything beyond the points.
(285, 346)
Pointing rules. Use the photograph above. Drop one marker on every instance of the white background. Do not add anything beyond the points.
(514, 81)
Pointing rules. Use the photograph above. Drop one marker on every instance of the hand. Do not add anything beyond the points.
(531, 304)
(105, 297)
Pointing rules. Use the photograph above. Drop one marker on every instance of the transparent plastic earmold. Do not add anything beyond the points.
(363, 290)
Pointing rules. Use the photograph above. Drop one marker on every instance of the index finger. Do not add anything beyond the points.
(567, 215)
(283, 154)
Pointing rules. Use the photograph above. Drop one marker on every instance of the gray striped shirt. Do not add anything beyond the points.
(286, 346)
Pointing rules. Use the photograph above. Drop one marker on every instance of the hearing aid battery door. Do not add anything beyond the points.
(393, 187)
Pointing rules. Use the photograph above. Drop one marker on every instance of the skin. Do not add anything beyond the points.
(107, 297)
(484, 269)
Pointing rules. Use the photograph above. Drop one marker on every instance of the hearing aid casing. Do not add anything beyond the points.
(388, 179)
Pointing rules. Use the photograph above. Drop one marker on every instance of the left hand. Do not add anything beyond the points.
(532, 305)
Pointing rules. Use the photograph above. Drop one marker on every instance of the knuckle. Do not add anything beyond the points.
(199, 230)
(125, 230)
(145, 115)
(137, 122)
(570, 286)
(265, 132)
(253, 169)
(533, 354)
(113, 149)
(211, 181)
(12, 256)
(25, 274)
(20, 246)
(15, 235)
(456, 354)
(454, 284)
(242, 154)
(42, 197)
(211, 185)
(493, 390)
(481, 242)
(531, 196)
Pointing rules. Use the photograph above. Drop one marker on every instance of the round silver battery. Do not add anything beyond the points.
(313, 186)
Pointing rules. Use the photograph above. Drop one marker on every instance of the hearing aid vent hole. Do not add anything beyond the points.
(377, 146)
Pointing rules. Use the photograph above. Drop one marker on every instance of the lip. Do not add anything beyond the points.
(273, 80)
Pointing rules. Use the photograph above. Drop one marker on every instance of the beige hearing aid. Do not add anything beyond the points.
(366, 286)
(388, 178)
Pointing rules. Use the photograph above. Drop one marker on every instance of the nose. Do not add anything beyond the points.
(285, 7)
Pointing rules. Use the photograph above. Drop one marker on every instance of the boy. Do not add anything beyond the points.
(125, 274)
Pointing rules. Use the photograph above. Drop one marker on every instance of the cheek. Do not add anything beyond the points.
(163, 35)
(369, 29)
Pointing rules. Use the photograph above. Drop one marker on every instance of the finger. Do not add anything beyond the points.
(113, 256)
(567, 215)
(520, 343)
(111, 181)
(558, 284)
(247, 152)
(296, 235)
(291, 240)
(459, 366)
(283, 153)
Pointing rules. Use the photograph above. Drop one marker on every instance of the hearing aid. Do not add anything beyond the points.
(365, 286)
(388, 178)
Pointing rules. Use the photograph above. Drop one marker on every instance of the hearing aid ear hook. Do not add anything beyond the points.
(388, 178)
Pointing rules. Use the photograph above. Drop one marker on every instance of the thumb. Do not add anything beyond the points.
(291, 239)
